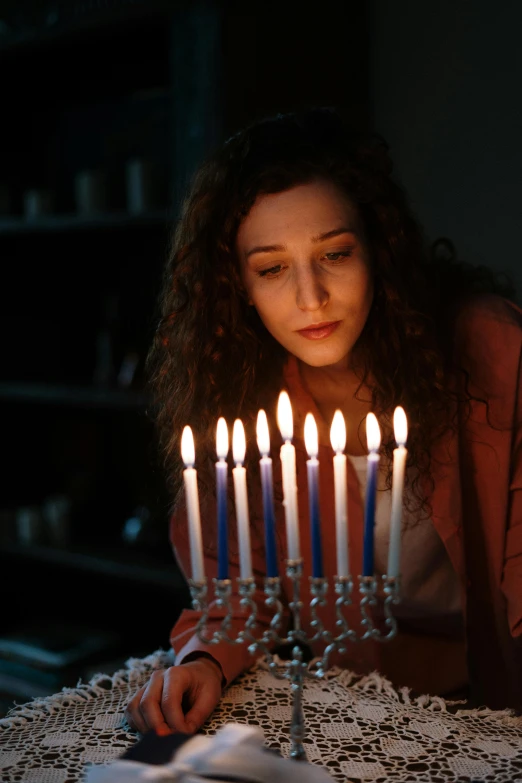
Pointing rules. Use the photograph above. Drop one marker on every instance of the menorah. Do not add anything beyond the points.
(296, 670)
(335, 640)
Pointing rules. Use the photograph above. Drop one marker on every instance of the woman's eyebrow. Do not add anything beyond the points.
(266, 249)
(335, 232)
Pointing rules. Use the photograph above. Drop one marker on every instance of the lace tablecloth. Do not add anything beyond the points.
(358, 728)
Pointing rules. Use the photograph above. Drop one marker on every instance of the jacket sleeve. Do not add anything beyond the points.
(512, 576)
(233, 658)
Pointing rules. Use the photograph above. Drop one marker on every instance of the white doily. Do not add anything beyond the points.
(358, 728)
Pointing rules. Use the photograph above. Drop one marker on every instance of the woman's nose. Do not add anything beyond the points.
(311, 294)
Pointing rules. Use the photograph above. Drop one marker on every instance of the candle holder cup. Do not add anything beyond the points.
(296, 670)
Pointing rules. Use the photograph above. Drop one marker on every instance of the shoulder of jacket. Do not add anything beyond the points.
(488, 319)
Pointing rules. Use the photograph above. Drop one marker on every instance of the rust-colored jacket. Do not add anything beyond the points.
(476, 509)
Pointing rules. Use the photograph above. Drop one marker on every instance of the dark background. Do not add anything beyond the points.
(93, 85)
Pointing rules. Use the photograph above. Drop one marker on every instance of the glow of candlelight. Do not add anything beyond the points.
(263, 435)
(222, 438)
(188, 453)
(238, 442)
(400, 426)
(284, 416)
(338, 433)
(310, 436)
(373, 432)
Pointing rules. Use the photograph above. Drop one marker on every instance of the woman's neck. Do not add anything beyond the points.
(336, 388)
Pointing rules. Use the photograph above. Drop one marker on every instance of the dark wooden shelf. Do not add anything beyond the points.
(128, 567)
(90, 397)
(72, 222)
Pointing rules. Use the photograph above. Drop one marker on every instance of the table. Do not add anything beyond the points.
(360, 728)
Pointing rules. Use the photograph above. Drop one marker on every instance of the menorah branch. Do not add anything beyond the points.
(392, 593)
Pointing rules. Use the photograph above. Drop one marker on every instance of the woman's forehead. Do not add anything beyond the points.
(313, 209)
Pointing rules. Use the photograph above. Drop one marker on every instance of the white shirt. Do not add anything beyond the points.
(430, 590)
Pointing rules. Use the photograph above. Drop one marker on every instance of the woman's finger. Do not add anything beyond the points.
(204, 704)
(150, 705)
(133, 715)
(177, 682)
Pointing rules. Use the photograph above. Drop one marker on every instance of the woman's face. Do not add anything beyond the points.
(305, 265)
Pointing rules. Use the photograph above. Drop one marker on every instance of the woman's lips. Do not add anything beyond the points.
(319, 332)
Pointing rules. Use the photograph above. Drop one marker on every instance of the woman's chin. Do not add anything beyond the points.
(326, 359)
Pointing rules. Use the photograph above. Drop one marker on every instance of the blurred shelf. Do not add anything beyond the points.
(133, 567)
(72, 222)
(74, 19)
(90, 397)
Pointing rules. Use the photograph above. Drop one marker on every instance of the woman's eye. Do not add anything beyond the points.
(339, 255)
(334, 257)
(274, 270)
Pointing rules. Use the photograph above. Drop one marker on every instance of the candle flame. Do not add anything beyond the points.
(222, 438)
(263, 435)
(284, 416)
(238, 442)
(188, 453)
(400, 426)
(310, 435)
(338, 432)
(373, 432)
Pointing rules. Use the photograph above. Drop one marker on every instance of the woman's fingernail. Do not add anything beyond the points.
(163, 731)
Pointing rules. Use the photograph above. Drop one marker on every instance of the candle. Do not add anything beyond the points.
(400, 427)
(265, 463)
(192, 500)
(221, 491)
(312, 470)
(338, 441)
(287, 453)
(373, 437)
(241, 498)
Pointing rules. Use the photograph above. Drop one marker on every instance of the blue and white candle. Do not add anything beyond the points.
(373, 437)
(222, 497)
(188, 456)
(267, 485)
(312, 470)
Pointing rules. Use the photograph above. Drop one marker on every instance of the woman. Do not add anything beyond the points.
(297, 264)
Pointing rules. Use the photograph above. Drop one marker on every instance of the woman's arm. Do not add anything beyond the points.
(182, 697)
(512, 577)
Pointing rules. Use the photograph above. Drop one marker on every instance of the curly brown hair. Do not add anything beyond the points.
(212, 356)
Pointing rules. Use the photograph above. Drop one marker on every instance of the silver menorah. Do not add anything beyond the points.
(296, 670)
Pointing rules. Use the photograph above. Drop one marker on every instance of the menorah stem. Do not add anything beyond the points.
(294, 571)
(297, 727)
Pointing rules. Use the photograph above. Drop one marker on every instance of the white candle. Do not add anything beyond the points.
(192, 500)
(338, 441)
(241, 498)
(400, 426)
(287, 453)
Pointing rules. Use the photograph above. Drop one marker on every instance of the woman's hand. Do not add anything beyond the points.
(179, 698)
